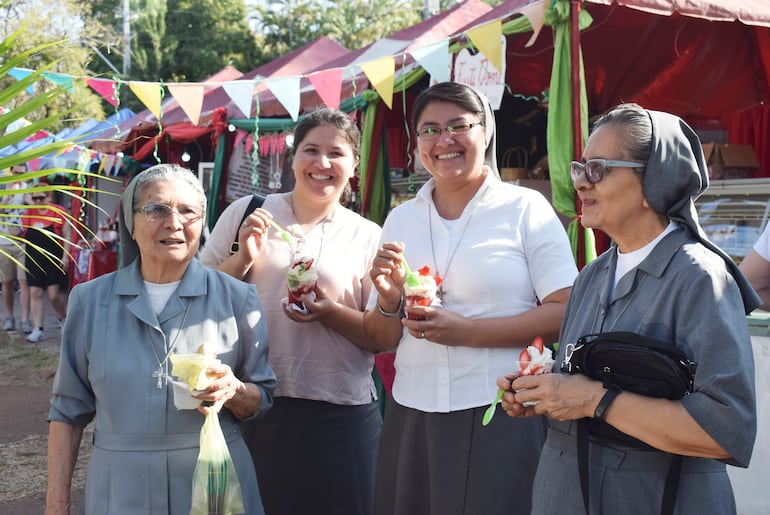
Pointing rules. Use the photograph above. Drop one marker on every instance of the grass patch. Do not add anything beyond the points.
(33, 357)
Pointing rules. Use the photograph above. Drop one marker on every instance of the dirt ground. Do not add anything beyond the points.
(26, 376)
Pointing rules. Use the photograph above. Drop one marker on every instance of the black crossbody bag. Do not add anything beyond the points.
(633, 363)
(255, 202)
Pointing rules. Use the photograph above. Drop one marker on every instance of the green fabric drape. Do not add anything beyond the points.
(559, 127)
(212, 212)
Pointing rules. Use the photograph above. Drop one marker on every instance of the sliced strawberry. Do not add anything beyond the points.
(534, 370)
(523, 362)
(424, 270)
(437, 279)
(538, 344)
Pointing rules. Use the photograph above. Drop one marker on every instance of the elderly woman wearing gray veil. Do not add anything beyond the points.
(500, 249)
(662, 279)
(121, 330)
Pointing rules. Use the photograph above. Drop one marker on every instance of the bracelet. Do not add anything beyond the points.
(613, 391)
(389, 314)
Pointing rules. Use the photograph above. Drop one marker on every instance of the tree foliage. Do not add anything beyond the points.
(284, 25)
(178, 40)
(13, 55)
(38, 23)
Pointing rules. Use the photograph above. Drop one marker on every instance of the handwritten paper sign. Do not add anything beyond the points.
(476, 71)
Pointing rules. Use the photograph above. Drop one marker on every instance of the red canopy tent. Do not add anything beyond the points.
(704, 59)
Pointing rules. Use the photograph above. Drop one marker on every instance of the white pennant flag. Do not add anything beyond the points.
(435, 59)
(286, 90)
(241, 92)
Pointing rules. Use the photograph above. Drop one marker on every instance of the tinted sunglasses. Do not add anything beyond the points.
(595, 169)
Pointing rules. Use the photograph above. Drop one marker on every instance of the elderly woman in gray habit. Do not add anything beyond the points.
(121, 329)
(662, 279)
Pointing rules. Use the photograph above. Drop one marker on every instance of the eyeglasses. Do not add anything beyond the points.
(433, 133)
(156, 212)
(38, 198)
(596, 168)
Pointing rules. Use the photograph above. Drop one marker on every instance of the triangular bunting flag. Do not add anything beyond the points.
(189, 95)
(59, 79)
(286, 90)
(20, 73)
(435, 59)
(106, 88)
(241, 92)
(535, 13)
(380, 73)
(149, 93)
(328, 85)
(487, 39)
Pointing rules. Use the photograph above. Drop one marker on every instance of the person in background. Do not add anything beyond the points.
(663, 279)
(323, 431)
(756, 267)
(49, 236)
(114, 365)
(506, 269)
(12, 257)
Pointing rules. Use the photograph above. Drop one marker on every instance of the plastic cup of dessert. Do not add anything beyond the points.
(532, 369)
(418, 296)
(302, 279)
(304, 288)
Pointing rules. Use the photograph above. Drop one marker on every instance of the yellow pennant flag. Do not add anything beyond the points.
(380, 73)
(190, 98)
(149, 93)
(487, 38)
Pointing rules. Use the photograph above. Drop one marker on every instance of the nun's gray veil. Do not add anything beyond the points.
(675, 175)
(129, 250)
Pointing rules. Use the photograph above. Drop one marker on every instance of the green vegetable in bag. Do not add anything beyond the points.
(215, 488)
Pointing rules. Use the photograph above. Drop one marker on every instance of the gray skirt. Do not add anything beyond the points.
(449, 464)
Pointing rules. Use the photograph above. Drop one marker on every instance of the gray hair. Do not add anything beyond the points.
(167, 172)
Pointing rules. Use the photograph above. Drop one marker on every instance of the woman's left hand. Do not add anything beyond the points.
(317, 307)
(222, 388)
(440, 325)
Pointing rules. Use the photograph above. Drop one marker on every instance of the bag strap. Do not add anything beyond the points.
(672, 486)
(582, 457)
(672, 479)
(255, 202)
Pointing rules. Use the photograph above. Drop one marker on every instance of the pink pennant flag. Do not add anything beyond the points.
(328, 85)
(106, 88)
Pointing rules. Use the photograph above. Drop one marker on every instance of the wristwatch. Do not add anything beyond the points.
(613, 391)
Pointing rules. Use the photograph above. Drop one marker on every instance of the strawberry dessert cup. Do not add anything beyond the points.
(534, 360)
(422, 292)
(302, 280)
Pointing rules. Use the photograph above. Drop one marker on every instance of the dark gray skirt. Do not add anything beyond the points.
(449, 464)
(313, 457)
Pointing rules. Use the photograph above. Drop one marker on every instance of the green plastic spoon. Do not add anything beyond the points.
(411, 277)
(285, 236)
(492, 407)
